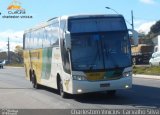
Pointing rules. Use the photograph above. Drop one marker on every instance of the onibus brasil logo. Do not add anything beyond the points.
(15, 10)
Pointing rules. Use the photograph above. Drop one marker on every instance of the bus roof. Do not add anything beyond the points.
(65, 17)
(90, 15)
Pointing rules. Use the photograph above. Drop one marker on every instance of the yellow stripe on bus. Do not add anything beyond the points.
(94, 76)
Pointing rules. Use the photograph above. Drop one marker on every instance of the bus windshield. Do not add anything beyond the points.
(99, 50)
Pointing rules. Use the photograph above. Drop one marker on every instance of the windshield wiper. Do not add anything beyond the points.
(108, 54)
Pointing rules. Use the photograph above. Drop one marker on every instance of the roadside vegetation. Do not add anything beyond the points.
(146, 70)
(15, 65)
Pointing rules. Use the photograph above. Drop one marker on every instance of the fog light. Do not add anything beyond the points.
(79, 91)
(126, 86)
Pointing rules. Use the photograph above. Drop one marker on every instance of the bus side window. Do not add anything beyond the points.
(33, 40)
(62, 25)
(55, 34)
(41, 38)
(30, 43)
(37, 39)
(26, 41)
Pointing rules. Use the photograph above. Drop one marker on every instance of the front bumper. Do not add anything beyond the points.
(89, 86)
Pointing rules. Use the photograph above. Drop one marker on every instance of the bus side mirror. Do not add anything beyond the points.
(67, 40)
(135, 35)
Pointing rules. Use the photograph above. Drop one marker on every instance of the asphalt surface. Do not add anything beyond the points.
(17, 93)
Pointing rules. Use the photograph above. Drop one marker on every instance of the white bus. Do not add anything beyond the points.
(79, 54)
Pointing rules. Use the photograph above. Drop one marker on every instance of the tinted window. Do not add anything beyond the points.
(43, 37)
(96, 25)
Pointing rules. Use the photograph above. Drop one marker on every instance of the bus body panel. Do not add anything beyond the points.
(33, 61)
(27, 65)
(56, 68)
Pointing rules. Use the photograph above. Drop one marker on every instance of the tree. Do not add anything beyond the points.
(155, 29)
(19, 51)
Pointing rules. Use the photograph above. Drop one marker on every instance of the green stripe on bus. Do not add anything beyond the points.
(46, 63)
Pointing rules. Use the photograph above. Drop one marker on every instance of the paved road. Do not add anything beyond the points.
(17, 93)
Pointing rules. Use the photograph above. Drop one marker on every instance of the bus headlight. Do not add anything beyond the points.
(79, 77)
(127, 74)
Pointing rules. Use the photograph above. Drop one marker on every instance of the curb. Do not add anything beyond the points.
(146, 76)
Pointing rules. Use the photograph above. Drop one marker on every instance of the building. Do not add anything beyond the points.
(156, 40)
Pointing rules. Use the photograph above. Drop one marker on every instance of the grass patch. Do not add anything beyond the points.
(146, 70)
(15, 65)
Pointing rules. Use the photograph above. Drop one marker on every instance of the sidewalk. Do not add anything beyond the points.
(147, 76)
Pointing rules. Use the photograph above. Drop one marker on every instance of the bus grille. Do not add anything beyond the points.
(108, 75)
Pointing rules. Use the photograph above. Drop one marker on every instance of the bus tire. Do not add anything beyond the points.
(60, 88)
(111, 93)
(30, 75)
(34, 82)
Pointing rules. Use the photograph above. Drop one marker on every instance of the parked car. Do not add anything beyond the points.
(2, 63)
(155, 59)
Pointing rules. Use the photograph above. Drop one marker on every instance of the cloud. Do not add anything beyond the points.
(147, 1)
(15, 37)
(144, 27)
(4, 47)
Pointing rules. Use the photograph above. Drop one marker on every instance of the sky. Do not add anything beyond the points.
(146, 13)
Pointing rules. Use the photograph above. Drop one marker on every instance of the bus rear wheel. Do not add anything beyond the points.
(34, 82)
(61, 91)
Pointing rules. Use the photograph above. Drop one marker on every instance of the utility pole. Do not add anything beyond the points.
(8, 50)
(132, 20)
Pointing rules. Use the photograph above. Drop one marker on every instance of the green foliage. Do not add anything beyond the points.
(15, 65)
(155, 29)
(146, 70)
(18, 49)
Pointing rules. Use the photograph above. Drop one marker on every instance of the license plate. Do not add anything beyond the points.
(105, 85)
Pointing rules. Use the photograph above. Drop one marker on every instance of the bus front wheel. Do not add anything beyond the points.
(61, 91)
